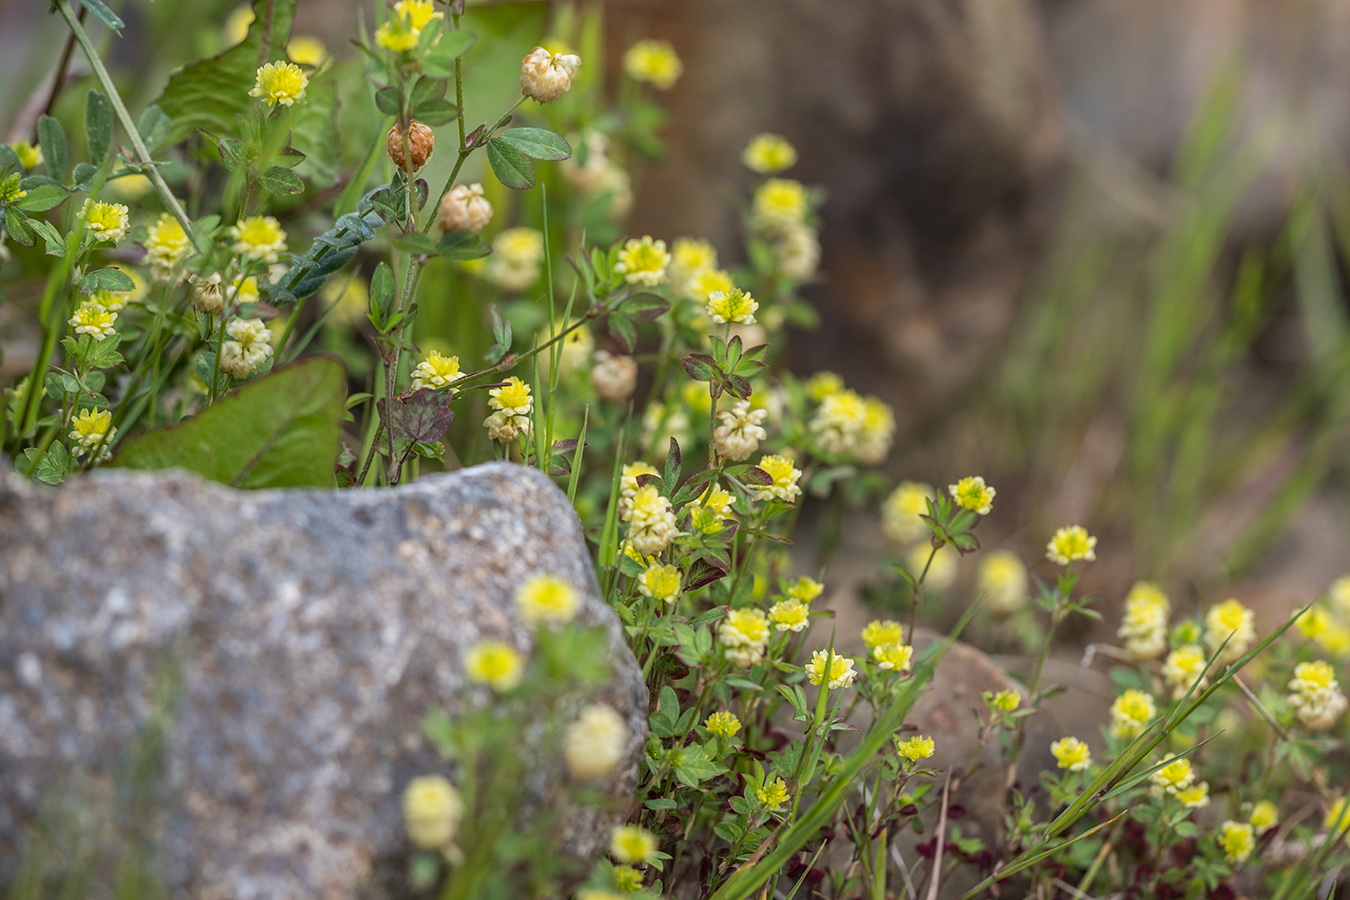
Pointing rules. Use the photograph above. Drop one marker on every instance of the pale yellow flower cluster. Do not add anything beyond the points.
(92, 432)
(436, 372)
(744, 633)
(166, 245)
(848, 425)
(1144, 626)
(1315, 695)
(651, 522)
(250, 346)
(738, 432)
(1130, 714)
(464, 208)
(512, 404)
(1232, 622)
(517, 259)
(544, 76)
(829, 668)
(593, 744)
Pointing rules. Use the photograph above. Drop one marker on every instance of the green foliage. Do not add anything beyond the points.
(279, 431)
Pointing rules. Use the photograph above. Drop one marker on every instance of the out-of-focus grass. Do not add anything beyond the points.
(1144, 333)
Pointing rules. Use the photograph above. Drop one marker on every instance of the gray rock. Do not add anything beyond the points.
(309, 632)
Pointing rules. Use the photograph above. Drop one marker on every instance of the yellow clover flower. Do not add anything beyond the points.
(106, 221)
(915, 748)
(723, 724)
(643, 261)
(547, 598)
(1007, 701)
(1130, 714)
(259, 238)
(92, 319)
(1232, 622)
(1174, 777)
(496, 664)
(1264, 816)
(1071, 753)
(432, 809)
(1070, 543)
(91, 429)
(166, 245)
(790, 615)
(882, 631)
(805, 589)
(769, 154)
(30, 155)
(654, 62)
(834, 670)
(1237, 840)
(780, 204)
(281, 83)
(784, 487)
(1003, 580)
(632, 844)
(306, 50)
(734, 306)
(774, 794)
(895, 657)
(436, 372)
(594, 743)
(660, 582)
(972, 493)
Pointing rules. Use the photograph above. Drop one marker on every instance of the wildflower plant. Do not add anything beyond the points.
(476, 280)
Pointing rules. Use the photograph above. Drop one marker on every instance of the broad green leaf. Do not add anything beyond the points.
(511, 167)
(382, 291)
(16, 226)
(283, 430)
(416, 242)
(55, 147)
(42, 198)
(56, 245)
(210, 92)
(462, 245)
(107, 279)
(154, 127)
(98, 123)
(537, 143)
(280, 181)
(435, 111)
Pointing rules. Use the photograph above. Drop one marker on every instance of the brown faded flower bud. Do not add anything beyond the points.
(420, 140)
(464, 208)
(545, 77)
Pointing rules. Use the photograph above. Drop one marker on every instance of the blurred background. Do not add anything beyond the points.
(1092, 249)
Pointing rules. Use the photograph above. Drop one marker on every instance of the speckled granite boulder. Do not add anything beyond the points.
(311, 632)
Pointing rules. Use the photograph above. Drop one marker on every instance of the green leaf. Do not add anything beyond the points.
(98, 121)
(462, 245)
(54, 465)
(16, 226)
(280, 181)
(440, 62)
(42, 198)
(56, 245)
(416, 242)
(510, 166)
(283, 430)
(623, 330)
(83, 176)
(435, 111)
(537, 143)
(107, 279)
(103, 14)
(210, 92)
(154, 127)
(386, 101)
(381, 292)
(55, 147)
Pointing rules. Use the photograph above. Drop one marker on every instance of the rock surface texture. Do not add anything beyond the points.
(308, 632)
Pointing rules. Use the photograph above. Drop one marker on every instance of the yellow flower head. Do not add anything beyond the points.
(281, 83)
(823, 384)
(106, 221)
(1335, 640)
(941, 564)
(1264, 816)
(690, 256)
(626, 878)
(30, 155)
(835, 670)
(660, 582)
(632, 844)
(1007, 701)
(915, 748)
(1229, 621)
(895, 657)
(1070, 543)
(436, 372)
(1314, 623)
(643, 261)
(1072, 754)
(1130, 714)
(654, 62)
(547, 598)
(774, 793)
(744, 626)
(166, 245)
(1237, 840)
(972, 493)
(1003, 580)
(496, 664)
(708, 282)
(712, 509)
(900, 514)
(1196, 796)
(513, 397)
(1176, 776)
(1183, 666)
(780, 204)
(769, 154)
(92, 319)
(790, 615)
(784, 475)
(403, 28)
(736, 306)
(1338, 816)
(594, 742)
(882, 631)
(1311, 677)
(259, 238)
(432, 809)
(805, 589)
(306, 50)
(9, 188)
(93, 428)
(723, 724)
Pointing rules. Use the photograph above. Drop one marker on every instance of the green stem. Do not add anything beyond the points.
(120, 109)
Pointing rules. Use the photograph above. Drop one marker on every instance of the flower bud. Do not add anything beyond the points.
(206, 294)
(464, 208)
(545, 77)
(421, 142)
